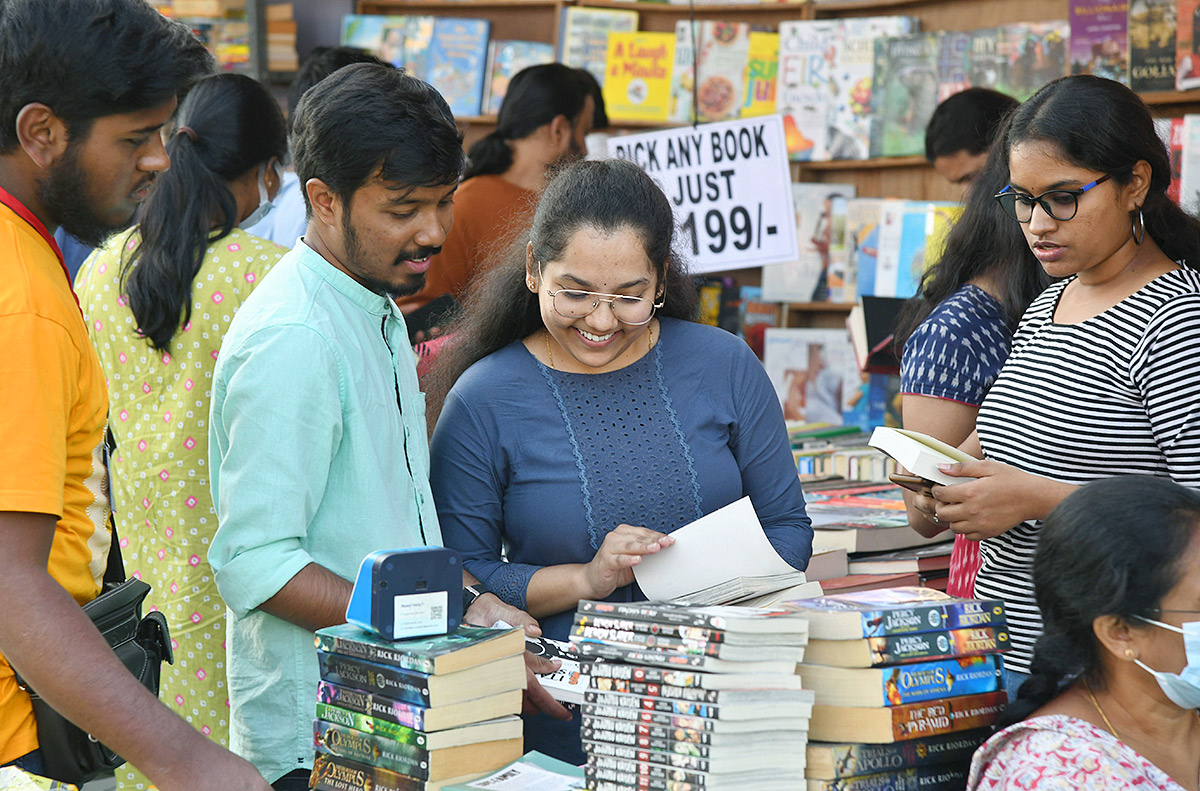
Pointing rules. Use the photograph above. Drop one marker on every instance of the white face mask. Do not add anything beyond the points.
(265, 204)
(1182, 688)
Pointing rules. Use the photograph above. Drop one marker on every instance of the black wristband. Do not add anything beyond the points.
(472, 592)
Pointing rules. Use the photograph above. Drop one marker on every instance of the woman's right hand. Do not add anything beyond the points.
(623, 548)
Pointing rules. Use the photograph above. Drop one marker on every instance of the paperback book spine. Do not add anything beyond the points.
(666, 744)
(622, 731)
(372, 705)
(332, 773)
(927, 646)
(644, 611)
(656, 690)
(853, 760)
(355, 745)
(662, 705)
(649, 717)
(392, 682)
(373, 725)
(619, 752)
(639, 655)
(361, 649)
(931, 617)
(649, 675)
(652, 776)
(629, 630)
(935, 778)
(903, 684)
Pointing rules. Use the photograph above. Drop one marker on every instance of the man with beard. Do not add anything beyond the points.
(317, 438)
(85, 87)
(546, 114)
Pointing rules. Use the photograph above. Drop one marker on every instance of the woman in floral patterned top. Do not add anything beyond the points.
(1109, 704)
(158, 300)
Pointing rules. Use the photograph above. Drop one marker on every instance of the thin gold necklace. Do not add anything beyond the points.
(550, 351)
(1087, 685)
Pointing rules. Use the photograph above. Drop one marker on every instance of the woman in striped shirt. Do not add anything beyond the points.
(1102, 379)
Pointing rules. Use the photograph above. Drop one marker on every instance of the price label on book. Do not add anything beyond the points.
(729, 184)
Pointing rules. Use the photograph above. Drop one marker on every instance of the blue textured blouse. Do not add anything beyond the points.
(958, 351)
(546, 463)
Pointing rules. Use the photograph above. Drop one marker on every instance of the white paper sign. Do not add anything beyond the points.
(727, 543)
(730, 186)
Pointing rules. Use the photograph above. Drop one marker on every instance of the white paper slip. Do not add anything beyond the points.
(725, 544)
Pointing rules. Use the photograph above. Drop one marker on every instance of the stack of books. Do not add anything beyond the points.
(416, 715)
(706, 696)
(906, 682)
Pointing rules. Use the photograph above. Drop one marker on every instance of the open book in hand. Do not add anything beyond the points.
(920, 453)
(722, 558)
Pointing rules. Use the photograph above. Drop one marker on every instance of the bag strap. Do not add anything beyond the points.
(114, 572)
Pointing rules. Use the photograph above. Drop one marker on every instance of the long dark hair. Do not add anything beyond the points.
(1113, 547)
(1101, 125)
(536, 96)
(237, 127)
(984, 242)
(499, 308)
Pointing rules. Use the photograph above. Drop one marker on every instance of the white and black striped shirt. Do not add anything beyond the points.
(1117, 394)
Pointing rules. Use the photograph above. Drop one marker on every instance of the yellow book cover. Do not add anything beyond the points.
(637, 84)
(762, 65)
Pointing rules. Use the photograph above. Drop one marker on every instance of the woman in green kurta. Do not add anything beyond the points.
(158, 300)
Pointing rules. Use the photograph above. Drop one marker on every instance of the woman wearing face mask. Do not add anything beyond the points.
(158, 299)
(1113, 700)
(589, 418)
(1102, 378)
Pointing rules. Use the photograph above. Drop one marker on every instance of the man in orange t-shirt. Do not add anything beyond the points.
(85, 88)
(545, 116)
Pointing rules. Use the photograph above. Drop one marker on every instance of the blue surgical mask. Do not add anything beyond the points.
(265, 203)
(1182, 688)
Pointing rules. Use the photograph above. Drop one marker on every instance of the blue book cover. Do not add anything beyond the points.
(458, 62)
(906, 610)
(900, 685)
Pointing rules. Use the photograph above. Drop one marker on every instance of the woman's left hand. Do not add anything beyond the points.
(1000, 498)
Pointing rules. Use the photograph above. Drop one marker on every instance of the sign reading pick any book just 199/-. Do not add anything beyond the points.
(729, 184)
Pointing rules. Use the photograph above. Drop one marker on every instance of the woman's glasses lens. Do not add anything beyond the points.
(1059, 204)
(577, 304)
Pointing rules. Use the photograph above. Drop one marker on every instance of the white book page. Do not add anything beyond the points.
(725, 544)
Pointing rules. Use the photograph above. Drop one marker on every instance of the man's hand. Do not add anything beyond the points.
(488, 609)
(537, 699)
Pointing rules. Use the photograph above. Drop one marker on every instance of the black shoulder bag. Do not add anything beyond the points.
(69, 753)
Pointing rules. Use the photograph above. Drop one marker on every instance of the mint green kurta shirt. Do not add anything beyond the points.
(318, 455)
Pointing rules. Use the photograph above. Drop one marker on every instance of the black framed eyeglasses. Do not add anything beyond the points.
(1062, 205)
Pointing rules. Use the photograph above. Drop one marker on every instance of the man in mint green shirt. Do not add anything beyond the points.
(319, 450)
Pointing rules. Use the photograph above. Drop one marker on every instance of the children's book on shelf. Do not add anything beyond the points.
(813, 371)
(954, 55)
(457, 62)
(683, 73)
(853, 80)
(1174, 137)
(720, 69)
(920, 453)
(418, 35)
(1187, 45)
(583, 36)
(1189, 166)
(904, 648)
(905, 94)
(912, 236)
(637, 85)
(1152, 45)
(986, 65)
(872, 327)
(821, 268)
(391, 45)
(833, 760)
(887, 724)
(1035, 53)
(505, 59)
(894, 611)
(1099, 35)
(761, 74)
(805, 86)
(363, 31)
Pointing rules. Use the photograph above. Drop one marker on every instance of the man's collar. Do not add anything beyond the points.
(350, 288)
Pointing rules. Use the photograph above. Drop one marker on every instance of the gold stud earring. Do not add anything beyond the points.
(1129, 653)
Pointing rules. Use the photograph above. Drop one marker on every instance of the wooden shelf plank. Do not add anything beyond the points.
(706, 8)
(440, 5)
(820, 307)
(882, 163)
(1167, 98)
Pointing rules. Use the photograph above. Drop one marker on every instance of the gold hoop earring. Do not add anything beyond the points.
(1139, 225)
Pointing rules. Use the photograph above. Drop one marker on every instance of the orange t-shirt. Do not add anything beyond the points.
(53, 407)
(489, 214)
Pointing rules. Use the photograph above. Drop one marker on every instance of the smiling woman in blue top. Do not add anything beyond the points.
(588, 417)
